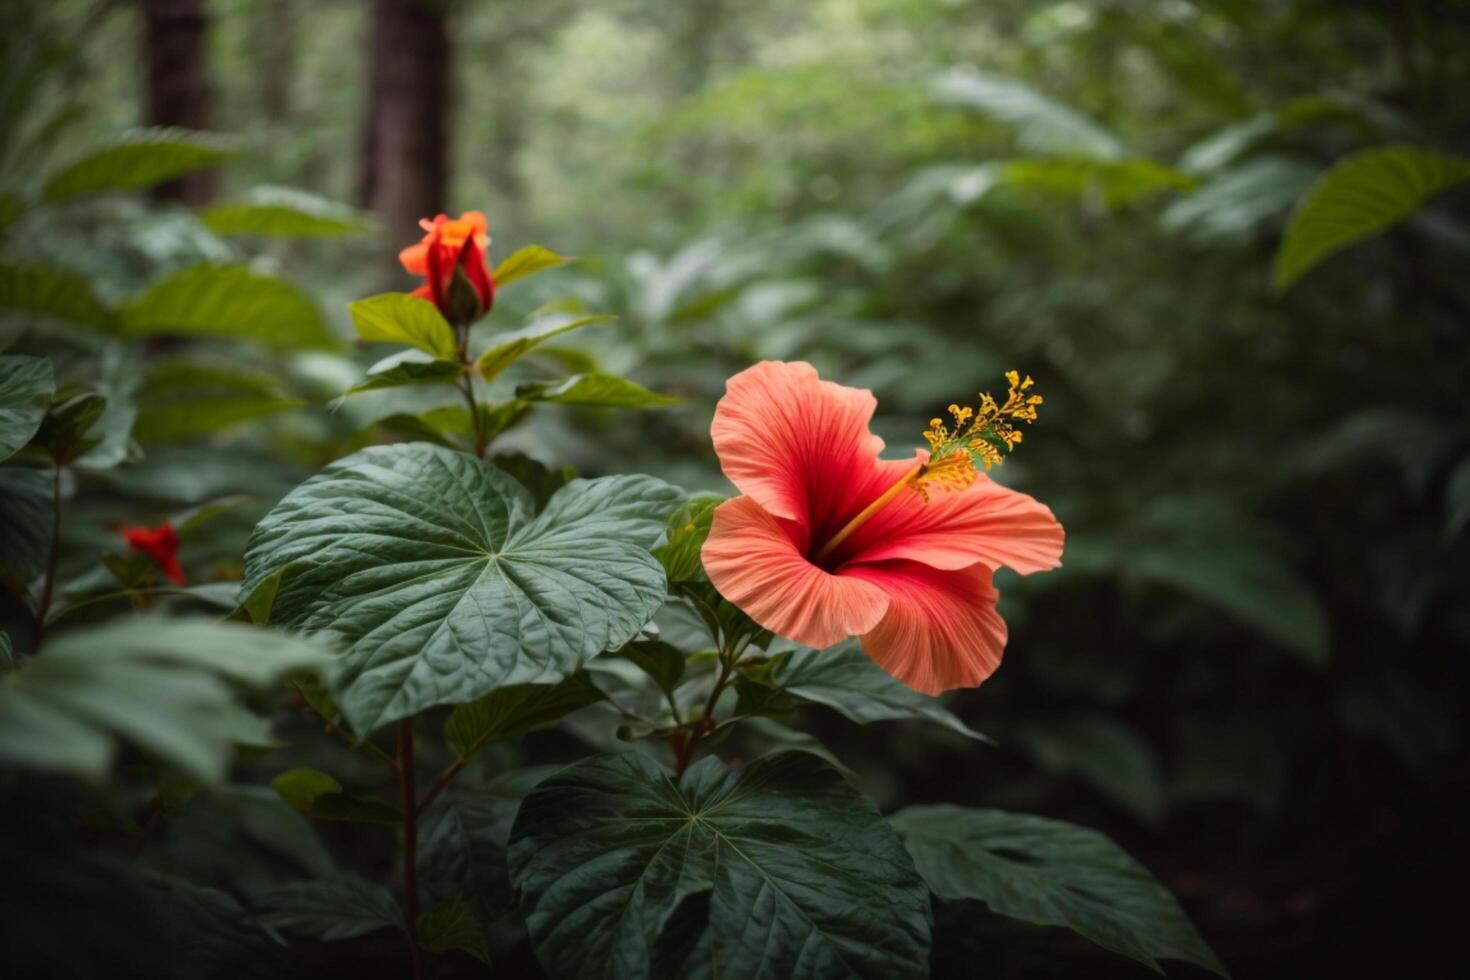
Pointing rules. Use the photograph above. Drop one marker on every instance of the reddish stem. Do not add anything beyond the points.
(443, 781)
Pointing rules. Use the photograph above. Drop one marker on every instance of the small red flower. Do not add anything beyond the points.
(160, 543)
(451, 258)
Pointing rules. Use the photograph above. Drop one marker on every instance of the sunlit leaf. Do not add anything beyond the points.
(26, 386)
(429, 566)
(526, 261)
(1042, 124)
(399, 318)
(510, 347)
(137, 160)
(284, 212)
(1362, 195)
(778, 868)
(1051, 873)
(1117, 181)
(228, 302)
(596, 390)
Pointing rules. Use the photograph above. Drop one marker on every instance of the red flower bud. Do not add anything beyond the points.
(160, 543)
(451, 258)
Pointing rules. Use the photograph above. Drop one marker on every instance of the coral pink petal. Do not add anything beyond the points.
(798, 445)
(415, 259)
(941, 631)
(985, 522)
(753, 560)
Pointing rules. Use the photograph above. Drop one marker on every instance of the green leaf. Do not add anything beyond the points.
(160, 684)
(1051, 873)
(1362, 195)
(515, 710)
(1042, 124)
(512, 346)
(139, 159)
(660, 661)
(228, 302)
(1118, 181)
(688, 528)
(51, 292)
(26, 386)
(598, 390)
(315, 794)
(1457, 497)
(284, 212)
(526, 261)
(410, 367)
(534, 475)
(399, 318)
(462, 849)
(25, 523)
(184, 398)
(64, 429)
(452, 925)
(329, 909)
(1238, 201)
(1110, 756)
(428, 565)
(778, 868)
(844, 679)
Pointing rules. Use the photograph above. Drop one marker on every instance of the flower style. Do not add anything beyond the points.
(160, 543)
(452, 259)
(828, 541)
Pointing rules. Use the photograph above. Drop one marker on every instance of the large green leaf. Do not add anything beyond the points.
(399, 318)
(526, 261)
(1237, 201)
(462, 850)
(48, 291)
(26, 386)
(776, 869)
(844, 679)
(1042, 124)
(157, 683)
(1362, 195)
(329, 909)
(185, 398)
(137, 160)
(596, 390)
(25, 522)
(228, 302)
(429, 565)
(284, 212)
(515, 710)
(1051, 873)
(510, 347)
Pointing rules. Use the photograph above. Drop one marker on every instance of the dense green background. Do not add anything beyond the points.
(1249, 669)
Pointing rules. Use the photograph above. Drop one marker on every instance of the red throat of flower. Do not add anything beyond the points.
(160, 543)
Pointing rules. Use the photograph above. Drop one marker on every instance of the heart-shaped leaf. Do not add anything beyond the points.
(1051, 873)
(399, 318)
(26, 385)
(433, 569)
(776, 869)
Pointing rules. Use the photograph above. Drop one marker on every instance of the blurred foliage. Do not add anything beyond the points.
(1248, 671)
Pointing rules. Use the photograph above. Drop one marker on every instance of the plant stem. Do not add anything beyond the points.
(443, 781)
(467, 385)
(409, 795)
(38, 633)
(684, 753)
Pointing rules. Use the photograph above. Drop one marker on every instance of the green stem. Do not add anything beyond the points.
(408, 795)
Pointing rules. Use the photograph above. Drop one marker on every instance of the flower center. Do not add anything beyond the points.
(980, 440)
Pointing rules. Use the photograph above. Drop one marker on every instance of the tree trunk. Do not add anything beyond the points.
(405, 123)
(177, 83)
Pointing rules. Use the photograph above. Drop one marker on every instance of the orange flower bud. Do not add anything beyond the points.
(451, 258)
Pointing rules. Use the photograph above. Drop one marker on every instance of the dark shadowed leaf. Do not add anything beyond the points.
(25, 522)
(534, 475)
(778, 868)
(515, 710)
(51, 292)
(1051, 873)
(453, 925)
(429, 566)
(26, 385)
(328, 909)
(1111, 756)
(313, 793)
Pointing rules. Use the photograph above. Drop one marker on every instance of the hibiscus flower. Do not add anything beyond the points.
(828, 541)
(160, 543)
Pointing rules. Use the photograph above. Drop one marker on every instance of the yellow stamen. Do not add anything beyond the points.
(867, 512)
